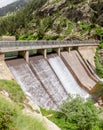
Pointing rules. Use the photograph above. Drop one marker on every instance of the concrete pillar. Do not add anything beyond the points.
(2, 56)
(43, 52)
(25, 54)
(57, 50)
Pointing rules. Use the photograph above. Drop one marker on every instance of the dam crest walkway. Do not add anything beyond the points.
(10, 46)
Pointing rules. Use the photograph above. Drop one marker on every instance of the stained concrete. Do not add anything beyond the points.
(5, 72)
(75, 65)
(88, 53)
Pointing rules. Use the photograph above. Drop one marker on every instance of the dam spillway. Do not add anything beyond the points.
(30, 84)
(49, 81)
(66, 77)
(73, 60)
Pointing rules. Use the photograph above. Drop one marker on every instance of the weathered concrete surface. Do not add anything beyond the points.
(2, 57)
(25, 54)
(4, 71)
(11, 46)
(8, 38)
(75, 65)
(88, 53)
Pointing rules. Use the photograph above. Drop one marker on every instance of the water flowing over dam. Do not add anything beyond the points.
(66, 77)
(49, 81)
(30, 84)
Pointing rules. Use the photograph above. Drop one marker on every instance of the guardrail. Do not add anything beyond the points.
(6, 44)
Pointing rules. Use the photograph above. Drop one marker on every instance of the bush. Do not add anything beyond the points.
(48, 37)
(80, 114)
(99, 66)
(14, 90)
(7, 112)
(76, 114)
(12, 118)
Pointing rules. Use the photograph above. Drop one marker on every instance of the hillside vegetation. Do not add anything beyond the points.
(99, 60)
(13, 7)
(56, 19)
(11, 109)
(76, 114)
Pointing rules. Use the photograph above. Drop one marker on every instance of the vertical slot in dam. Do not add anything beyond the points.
(66, 77)
(30, 84)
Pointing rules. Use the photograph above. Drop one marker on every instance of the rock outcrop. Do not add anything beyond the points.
(32, 109)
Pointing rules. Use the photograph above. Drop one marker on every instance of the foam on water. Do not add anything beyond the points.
(49, 80)
(32, 86)
(66, 77)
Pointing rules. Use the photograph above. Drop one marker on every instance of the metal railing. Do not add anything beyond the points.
(7, 44)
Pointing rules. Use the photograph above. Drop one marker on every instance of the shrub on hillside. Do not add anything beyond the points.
(99, 66)
(12, 118)
(79, 114)
(76, 114)
(7, 112)
(14, 90)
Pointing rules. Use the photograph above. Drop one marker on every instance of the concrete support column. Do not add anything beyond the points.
(2, 56)
(57, 50)
(25, 54)
(43, 52)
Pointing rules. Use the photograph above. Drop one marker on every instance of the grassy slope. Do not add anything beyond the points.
(11, 116)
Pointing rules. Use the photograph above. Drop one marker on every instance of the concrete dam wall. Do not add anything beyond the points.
(79, 70)
(88, 53)
(49, 81)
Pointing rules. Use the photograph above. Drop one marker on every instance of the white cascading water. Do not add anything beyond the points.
(31, 86)
(49, 80)
(66, 77)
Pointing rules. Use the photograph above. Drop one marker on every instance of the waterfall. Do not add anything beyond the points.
(31, 86)
(49, 80)
(66, 77)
